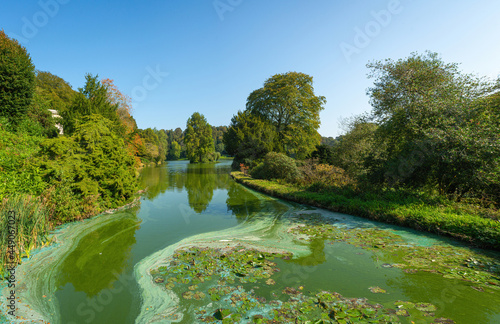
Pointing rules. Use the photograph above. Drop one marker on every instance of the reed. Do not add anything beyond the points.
(31, 225)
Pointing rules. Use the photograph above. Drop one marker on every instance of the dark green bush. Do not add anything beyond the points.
(277, 166)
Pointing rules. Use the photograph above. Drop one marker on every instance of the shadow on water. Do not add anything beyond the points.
(99, 257)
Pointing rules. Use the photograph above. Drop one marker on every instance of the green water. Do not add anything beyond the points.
(97, 273)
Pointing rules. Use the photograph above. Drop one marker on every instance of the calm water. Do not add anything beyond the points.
(95, 284)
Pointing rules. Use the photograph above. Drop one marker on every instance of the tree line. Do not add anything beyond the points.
(432, 128)
(50, 177)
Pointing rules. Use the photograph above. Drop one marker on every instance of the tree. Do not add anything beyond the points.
(55, 90)
(150, 150)
(249, 138)
(412, 95)
(352, 150)
(175, 151)
(123, 105)
(288, 102)
(93, 98)
(17, 79)
(198, 139)
(439, 126)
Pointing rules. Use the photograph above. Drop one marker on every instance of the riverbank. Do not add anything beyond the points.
(32, 226)
(439, 219)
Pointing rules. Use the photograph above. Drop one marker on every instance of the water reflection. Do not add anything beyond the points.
(155, 179)
(200, 181)
(100, 256)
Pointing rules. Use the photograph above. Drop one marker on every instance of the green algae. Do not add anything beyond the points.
(452, 262)
(230, 276)
(232, 302)
(37, 279)
(266, 231)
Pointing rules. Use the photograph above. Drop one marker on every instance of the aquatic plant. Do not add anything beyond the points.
(214, 285)
(452, 262)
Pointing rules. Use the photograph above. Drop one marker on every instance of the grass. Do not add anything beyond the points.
(477, 226)
(26, 228)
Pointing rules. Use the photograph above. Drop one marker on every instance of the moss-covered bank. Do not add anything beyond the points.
(463, 225)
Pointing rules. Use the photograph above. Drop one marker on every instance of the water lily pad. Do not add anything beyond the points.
(220, 313)
(377, 290)
(443, 320)
(402, 312)
(270, 282)
(187, 295)
(425, 307)
(404, 304)
(198, 295)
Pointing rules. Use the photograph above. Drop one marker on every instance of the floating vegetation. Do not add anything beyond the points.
(377, 290)
(215, 286)
(450, 261)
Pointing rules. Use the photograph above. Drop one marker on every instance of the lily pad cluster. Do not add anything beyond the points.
(197, 265)
(453, 262)
(214, 288)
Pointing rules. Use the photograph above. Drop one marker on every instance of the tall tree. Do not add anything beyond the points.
(413, 94)
(198, 139)
(17, 79)
(438, 125)
(249, 137)
(175, 151)
(289, 103)
(93, 98)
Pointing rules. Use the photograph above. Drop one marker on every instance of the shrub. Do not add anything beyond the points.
(277, 166)
(324, 175)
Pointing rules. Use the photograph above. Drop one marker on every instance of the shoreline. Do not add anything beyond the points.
(474, 230)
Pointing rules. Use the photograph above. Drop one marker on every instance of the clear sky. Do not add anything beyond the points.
(175, 57)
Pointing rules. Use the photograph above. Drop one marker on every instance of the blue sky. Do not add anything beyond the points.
(176, 57)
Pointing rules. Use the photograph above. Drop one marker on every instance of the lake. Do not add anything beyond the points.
(118, 268)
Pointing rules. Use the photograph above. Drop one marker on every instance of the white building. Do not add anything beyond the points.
(55, 114)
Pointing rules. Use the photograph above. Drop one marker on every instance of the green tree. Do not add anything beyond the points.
(198, 139)
(94, 161)
(93, 98)
(55, 90)
(411, 95)
(438, 124)
(288, 102)
(17, 79)
(249, 138)
(354, 147)
(150, 150)
(175, 151)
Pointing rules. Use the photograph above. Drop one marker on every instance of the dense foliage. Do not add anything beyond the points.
(426, 156)
(198, 139)
(249, 138)
(439, 127)
(17, 80)
(286, 110)
(277, 166)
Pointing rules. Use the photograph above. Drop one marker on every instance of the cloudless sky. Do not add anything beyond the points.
(175, 57)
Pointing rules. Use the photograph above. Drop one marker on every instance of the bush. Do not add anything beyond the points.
(324, 175)
(277, 166)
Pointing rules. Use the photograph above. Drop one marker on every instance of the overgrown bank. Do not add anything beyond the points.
(391, 206)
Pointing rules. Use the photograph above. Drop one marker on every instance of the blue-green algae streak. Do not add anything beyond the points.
(201, 247)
